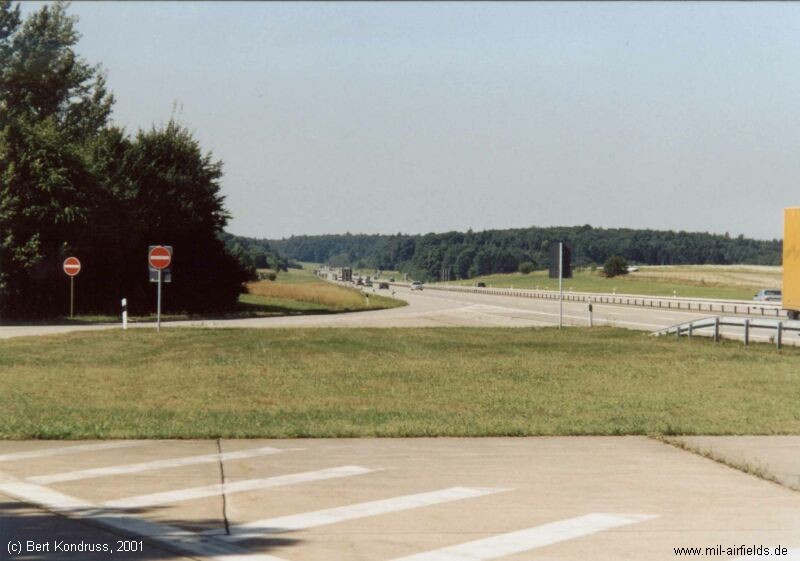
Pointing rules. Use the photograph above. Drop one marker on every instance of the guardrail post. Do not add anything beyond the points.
(691, 327)
(716, 329)
(779, 334)
(746, 331)
(678, 331)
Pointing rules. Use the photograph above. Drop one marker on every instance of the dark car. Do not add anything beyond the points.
(480, 284)
(383, 285)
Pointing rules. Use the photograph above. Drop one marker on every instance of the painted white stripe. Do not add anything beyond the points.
(171, 536)
(236, 487)
(28, 454)
(154, 465)
(351, 512)
(531, 538)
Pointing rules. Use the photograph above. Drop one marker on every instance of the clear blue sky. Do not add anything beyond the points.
(417, 117)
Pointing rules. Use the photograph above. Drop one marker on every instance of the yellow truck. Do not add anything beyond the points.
(791, 262)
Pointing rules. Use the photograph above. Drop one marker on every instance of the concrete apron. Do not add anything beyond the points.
(442, 499)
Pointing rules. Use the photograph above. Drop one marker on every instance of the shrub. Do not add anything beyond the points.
(615, 265)
(525, 268)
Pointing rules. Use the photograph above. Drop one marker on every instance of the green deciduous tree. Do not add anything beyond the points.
(72, 183)
(615, 266)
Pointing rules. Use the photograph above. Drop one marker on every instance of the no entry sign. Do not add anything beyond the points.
(72, 266)
(159, 257)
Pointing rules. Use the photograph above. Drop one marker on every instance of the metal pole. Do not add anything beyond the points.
(158, 309)
(560, 284)
(72, 297)
(124, 313)
(746, 331)
(779, 335)
(716, 329)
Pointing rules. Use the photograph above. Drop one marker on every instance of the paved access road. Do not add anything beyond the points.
(388, 499)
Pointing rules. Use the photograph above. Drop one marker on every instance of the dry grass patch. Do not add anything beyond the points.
(748, 276)
(322, 293)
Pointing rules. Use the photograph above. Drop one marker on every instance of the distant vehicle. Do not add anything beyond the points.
(632, 268)
(383, 286)
(480, 284)
(416, 285)
(360, 282)
(768, 295)
(391, 279)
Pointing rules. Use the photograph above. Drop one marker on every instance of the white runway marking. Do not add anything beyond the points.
(236, 487)
(351, 512)
(531, 538)
(171, 536)
(29, 454)
(149, 466)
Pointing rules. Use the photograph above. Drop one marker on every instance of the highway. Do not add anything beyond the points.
(440, 308)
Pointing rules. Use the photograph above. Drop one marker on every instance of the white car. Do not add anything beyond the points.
(416, 285)
(768, 295)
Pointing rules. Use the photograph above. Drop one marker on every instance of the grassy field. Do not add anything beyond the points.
(193, 383)
(703, 281)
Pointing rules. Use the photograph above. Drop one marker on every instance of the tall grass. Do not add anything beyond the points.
(329, 296)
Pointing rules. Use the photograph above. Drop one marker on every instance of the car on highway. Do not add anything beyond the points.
(480, 284)
(416, 285)
(768, 295)
(383, 285)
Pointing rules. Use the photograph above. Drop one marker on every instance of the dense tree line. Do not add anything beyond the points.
(468, 254)
(72, 183)
(254, 253)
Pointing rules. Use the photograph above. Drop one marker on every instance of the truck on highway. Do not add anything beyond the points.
(791, 262)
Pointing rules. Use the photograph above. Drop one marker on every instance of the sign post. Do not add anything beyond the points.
(159, 258)
(560, 284)
(561, 268)
(72, 266)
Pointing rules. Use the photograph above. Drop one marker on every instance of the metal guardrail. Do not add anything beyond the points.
(775, 328)
(664, 302)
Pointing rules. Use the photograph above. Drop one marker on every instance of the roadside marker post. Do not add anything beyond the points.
(124, 313)
(159, 257)
(72, 266)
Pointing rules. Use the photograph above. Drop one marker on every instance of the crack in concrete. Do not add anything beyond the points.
(224, 496)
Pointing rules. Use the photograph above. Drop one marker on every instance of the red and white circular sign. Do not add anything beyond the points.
(72, 266)
(159, 257)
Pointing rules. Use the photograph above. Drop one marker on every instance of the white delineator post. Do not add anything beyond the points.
(124, 313)
(560, 284)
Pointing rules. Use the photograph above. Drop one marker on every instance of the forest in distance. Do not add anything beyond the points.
(461, 255)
